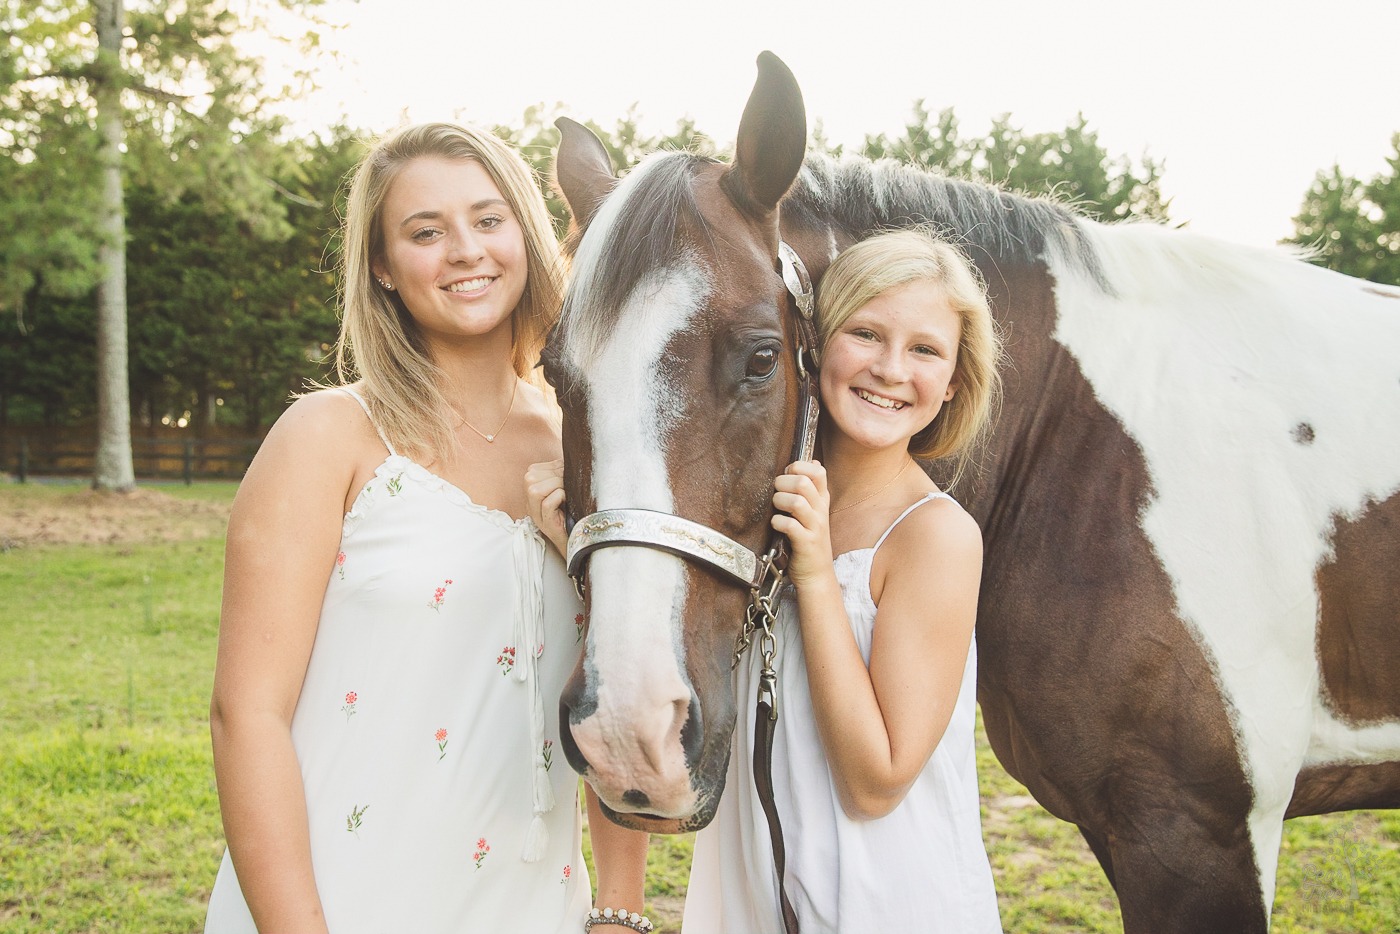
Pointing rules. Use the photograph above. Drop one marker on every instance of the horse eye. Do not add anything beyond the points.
(762, 363)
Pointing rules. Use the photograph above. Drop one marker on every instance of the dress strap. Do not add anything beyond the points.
(377, 430)
(927, 498)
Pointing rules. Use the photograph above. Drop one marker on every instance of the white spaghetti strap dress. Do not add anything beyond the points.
(923, 867)
(427, 731)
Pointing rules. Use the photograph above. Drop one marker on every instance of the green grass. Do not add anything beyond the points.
(109, 820)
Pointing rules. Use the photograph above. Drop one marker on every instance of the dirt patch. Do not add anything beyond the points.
(87, 517)
(665, 912)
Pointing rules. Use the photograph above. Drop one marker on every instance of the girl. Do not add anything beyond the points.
(874, 774)
(394, 633)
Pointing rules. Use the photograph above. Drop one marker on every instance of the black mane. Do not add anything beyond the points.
(857, 196)
(861, 197)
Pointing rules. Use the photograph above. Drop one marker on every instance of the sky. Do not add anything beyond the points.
(1242, 101)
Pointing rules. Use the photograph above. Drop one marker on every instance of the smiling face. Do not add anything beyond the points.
(453, 250)
(888, 369)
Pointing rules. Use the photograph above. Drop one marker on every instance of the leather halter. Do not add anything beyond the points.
(762, 575)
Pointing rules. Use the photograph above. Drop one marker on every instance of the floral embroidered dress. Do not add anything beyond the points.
(922, 867)
(427, 728)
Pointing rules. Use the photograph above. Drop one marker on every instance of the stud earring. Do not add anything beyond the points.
(388, 286)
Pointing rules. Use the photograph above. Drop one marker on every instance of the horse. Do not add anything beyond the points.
(1187, 630)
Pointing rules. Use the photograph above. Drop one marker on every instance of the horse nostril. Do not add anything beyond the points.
(692, 732)
(635, 798)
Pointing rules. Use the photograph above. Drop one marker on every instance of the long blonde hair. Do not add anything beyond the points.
(898, 257)
(379, 342)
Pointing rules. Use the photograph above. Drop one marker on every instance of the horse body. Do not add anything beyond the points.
(1188, 622)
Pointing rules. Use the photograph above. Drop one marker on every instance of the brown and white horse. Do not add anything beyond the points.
(1188, 627)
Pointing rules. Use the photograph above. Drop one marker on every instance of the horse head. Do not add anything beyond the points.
(673, 365)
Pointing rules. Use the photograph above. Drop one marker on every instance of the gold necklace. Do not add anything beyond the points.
(876, 493)
(491, 438)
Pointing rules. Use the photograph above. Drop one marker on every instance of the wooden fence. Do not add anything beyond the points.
(186, 459)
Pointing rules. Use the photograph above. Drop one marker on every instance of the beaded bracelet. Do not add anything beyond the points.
(636, 922)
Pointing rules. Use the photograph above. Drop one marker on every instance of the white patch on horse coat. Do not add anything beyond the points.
(1210, 355)
(636, 593)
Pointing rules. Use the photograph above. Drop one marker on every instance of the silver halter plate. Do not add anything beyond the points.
(665, 531)
(683, 537)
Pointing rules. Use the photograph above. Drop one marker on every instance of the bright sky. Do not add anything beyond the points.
(1244, 100)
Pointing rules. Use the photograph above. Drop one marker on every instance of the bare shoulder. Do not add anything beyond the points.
(322, 438)
(327, 416)
(940, 526)
(937, 545)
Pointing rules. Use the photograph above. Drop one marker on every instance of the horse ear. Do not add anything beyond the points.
(583, 173)
(772, 139)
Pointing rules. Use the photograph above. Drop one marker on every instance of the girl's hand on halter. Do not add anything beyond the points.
(804, 505)
(544, 493)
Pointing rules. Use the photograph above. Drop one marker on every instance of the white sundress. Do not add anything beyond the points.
(923, 867)
(438, 800)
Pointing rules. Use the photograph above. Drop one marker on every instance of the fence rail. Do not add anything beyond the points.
(152, 458)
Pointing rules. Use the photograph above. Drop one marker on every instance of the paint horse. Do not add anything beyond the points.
(1188, 624)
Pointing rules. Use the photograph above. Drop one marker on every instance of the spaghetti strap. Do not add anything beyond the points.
(356, 396)
(927, 498)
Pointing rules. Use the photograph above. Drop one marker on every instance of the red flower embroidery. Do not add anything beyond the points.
(578, 627)
(439, 595)
(349, 708)
(568, 872)
(441, 737)
(481, 850)
(340, 564)
(506, 659)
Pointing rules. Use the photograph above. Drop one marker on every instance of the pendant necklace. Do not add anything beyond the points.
(876, 493)
(491, 438)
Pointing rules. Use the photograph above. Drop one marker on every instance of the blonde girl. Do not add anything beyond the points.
(394, 632)
(874, 771)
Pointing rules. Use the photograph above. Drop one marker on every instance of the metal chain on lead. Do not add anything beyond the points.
(762, 606)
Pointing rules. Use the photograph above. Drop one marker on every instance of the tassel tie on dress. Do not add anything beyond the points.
(528, 552)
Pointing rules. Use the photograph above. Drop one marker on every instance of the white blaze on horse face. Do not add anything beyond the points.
(1211, 355)
(635, 644)
(636, 665)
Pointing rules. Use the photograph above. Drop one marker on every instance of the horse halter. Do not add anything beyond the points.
(763, 574)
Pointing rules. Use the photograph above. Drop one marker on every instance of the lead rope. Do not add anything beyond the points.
(762, 613)
(761, 617)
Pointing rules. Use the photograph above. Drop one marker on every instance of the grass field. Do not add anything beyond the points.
(108, 815)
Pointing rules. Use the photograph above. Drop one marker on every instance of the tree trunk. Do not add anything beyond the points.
(112, 465)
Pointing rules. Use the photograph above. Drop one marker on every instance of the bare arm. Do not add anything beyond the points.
(620, 856)
(879, 725)
(282, 539)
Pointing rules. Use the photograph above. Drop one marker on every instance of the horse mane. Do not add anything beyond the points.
(990, 223)
(634, 238)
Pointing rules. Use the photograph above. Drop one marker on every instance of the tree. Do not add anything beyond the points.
(1353, 226)
(223, 320)
(1069, 165)
(94, 91)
